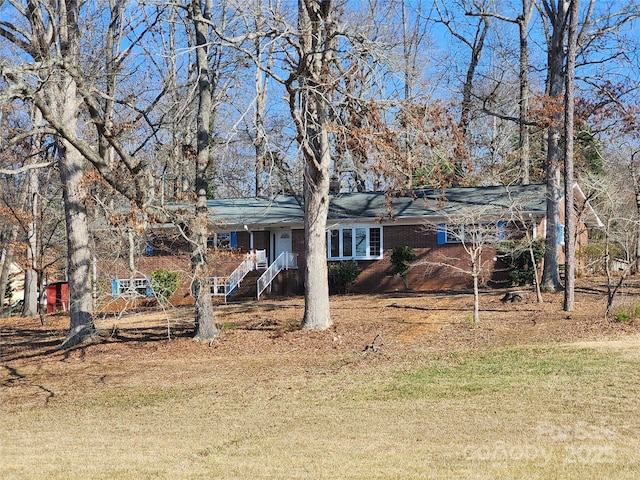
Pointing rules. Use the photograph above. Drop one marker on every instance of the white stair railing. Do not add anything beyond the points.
(254, 260)
(285, 261)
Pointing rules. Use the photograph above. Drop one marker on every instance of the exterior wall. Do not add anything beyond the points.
(431, 271)
(221, 262)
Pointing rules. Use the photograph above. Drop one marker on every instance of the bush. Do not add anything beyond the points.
(164, 283)
(401, 259)
(515, 254)
(342, 276)
(593, 255)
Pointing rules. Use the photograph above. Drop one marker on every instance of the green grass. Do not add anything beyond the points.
(463, 373)
(518, 412)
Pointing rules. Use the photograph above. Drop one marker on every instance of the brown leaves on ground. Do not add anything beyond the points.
(401, 324)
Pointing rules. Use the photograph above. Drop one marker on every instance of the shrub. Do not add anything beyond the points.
(342, 276)
(515, 254)
(164, 283)
(593, 255)
(401, 259)
(622, 317)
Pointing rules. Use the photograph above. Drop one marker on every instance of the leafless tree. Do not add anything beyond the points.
(569, 108)
(205, 321)
(593, 26)
(475, 41)
(309, 86)
(472, 234)
(524, 123)
(58, 78)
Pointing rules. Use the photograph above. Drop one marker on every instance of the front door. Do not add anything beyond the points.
(282, 242)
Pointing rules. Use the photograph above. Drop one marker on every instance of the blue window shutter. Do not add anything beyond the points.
(233, 239)
(148, 291)
(114, 287)
(442, 233)
(501, 231)
(560, 234)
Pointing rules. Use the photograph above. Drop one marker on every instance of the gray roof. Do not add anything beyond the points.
(419, 204)
(281, 209)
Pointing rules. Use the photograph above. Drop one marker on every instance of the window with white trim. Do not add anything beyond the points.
(223, 240)
(471, 233)
(357, 243)
(125, 287)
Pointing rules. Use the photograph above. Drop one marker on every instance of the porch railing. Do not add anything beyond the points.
(285, 261)
(226, 285)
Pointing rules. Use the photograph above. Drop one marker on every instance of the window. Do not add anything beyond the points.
(223, 240)
(455, 233)
(124, 287)
(354, 243)
(471, 233)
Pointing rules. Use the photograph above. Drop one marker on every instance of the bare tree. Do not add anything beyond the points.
(611, 197)
(51, 40)
(475, 41)
(309, 86)
(556, 13)
(524, 123)
(592, 26)
(472, 234)
(58, 79)
(207, 329)
(569, 107)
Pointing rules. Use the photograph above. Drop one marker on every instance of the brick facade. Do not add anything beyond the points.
(437, 267)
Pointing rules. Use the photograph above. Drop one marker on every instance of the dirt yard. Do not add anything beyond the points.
(195, 410)
(402, 323)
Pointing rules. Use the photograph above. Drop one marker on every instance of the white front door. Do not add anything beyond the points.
(282, 242)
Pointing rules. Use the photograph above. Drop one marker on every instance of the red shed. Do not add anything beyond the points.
(57, 297)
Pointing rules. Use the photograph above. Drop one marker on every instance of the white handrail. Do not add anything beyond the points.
(254, 260)
(285, 261)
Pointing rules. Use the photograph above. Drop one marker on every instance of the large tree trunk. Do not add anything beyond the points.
(569, 237)
(555, 81)
(63, 98)
(206, 328)
(308, 104)
(524, 144)
(72, 166)
(551, 271)
(316, 208)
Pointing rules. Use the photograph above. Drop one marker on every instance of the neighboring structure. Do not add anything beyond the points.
(16, 283)
(364, 227)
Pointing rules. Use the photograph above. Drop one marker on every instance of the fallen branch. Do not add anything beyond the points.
(395, 305)
(372, 346)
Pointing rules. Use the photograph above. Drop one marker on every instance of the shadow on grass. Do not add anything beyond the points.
(29, 343)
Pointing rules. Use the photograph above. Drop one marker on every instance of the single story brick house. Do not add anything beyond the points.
(366, 227)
